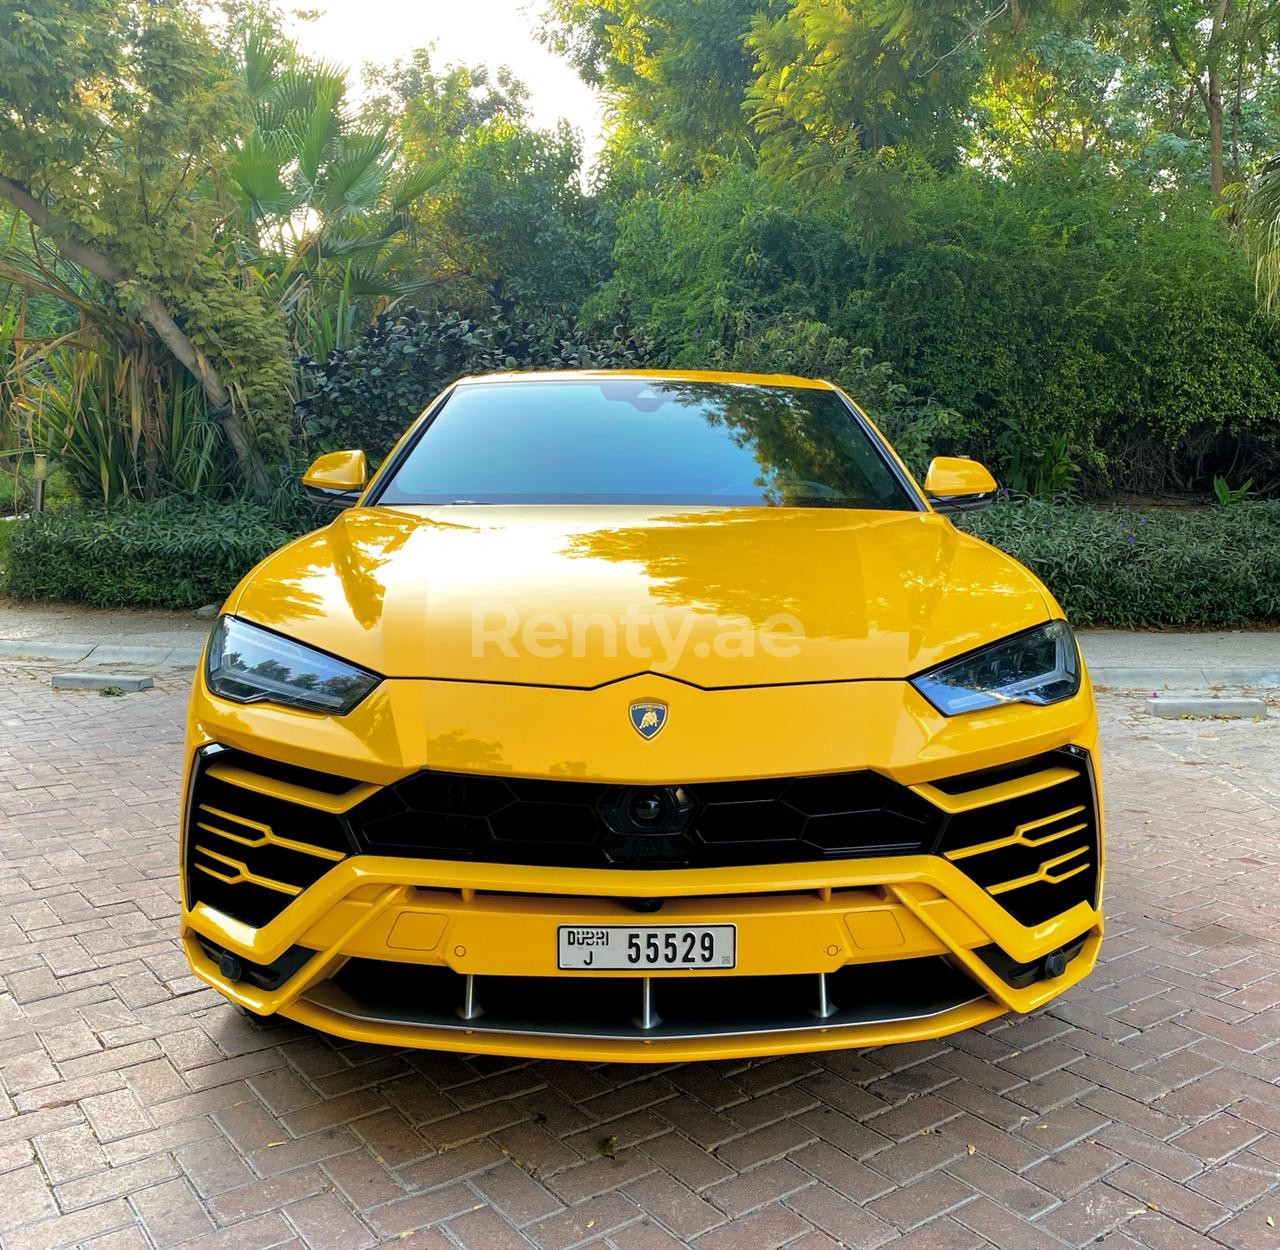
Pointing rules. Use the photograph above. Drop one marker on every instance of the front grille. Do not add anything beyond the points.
(584, 824)
(634, 1008)
(259, 833)
(248, 853)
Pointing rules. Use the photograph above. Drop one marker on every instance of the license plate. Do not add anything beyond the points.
(615, 947)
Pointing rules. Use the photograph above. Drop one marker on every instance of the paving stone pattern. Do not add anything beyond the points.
(138, 1110)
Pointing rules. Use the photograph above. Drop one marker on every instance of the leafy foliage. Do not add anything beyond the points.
(1072, 304)
(436, 111)
(677, 69)
(325, 201)
(1226, 494)
(1067, 325)
(365, 396)
(515, 225)
(124, 109)
(836, 81)
(174, 553)
(121, 426)
(1147, 568)
(512, 220)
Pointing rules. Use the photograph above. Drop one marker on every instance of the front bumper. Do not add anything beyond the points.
(493, 922)
(882, 950)
(840, 952)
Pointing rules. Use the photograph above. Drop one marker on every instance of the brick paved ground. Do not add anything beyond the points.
(138, 1110)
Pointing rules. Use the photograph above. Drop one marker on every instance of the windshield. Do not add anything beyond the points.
(646, 441)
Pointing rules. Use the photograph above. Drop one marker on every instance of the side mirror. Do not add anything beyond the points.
(337, 480)
(954, 484)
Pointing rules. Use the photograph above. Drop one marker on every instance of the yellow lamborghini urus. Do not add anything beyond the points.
(641, 716)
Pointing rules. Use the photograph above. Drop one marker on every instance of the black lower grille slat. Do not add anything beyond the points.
(307, 778)
(243, 901)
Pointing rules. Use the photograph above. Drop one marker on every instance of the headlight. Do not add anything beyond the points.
(1040, 666)
(251, 665)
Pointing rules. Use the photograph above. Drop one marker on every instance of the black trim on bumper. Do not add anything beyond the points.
(1019, 976)
(644, 1008)
(265, 976)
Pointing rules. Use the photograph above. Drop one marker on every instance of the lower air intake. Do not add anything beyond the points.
(638, 1008)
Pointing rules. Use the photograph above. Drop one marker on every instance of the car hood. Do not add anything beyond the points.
(579, 596)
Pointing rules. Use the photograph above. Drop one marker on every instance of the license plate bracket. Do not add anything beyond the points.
(647, 948)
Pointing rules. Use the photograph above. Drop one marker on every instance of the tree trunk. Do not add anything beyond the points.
(1237, 102)
(157, 316)
(1213, 97)
(1214, 109)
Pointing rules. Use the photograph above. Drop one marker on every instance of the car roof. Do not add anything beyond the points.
(664, 375)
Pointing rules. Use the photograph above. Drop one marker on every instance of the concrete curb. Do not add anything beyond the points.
(1124, 678)
(101, 681)
(31, 651)
(1177, 706)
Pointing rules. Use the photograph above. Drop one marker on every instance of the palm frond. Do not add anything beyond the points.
(358, 173)
(315, 136)
(255, 168)
(261, 57)
(1262, 232)
(410, 186)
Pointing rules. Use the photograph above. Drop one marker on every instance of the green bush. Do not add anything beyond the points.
(1127, 568)
(365, 395)
(1071, 314)
(174, 553)
(1066, 325)
(1106, 566)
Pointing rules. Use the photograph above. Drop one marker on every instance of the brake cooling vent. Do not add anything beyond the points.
(259, 833)
(1027, 833)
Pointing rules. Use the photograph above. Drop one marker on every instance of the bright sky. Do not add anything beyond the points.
(469, 32)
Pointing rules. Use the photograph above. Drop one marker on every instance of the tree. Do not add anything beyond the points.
(325, 199)
(1217, 55)
(1262, 232)
(434, 112)
(1065, 90)
(510, 219)
(116, 116)
(514, 222)
(837, 81)
(676, 68)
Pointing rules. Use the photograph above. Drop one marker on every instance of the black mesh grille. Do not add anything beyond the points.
(585, 824)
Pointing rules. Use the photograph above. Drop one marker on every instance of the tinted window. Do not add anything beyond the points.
(637, 441)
